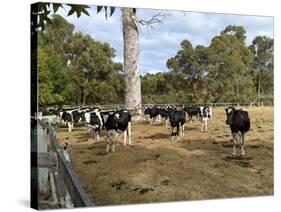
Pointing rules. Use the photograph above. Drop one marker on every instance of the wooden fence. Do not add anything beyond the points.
(66, 188)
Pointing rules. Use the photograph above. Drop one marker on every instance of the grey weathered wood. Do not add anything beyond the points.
(42, 147)
(131, 60)
(59, 189)
(66, 177)
(72, 183)
(53, 188)
(45, 160)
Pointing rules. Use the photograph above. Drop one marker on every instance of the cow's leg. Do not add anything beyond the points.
(242, 139)
(204, 125)
(97, 137)
(94, 135)
(172, 133)
(129, 131)
(234, 137)
(125, 137)
(182, 130)
(113, 141)
(179, 131)
(69, 126)
(107, 143)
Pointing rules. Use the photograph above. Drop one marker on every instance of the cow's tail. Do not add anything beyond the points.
(129, 130)
(129, 133)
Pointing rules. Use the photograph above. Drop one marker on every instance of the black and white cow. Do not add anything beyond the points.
(95, 121)
(165, 111)
(177, 119)
(205, 115)
(152, 112)
(118, 122)
(72, 116)
(146, 112)
(210, 112)
(192, 111)
(239, 123)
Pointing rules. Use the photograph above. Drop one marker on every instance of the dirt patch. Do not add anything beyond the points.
(118, 185)
(90, 161)
(239, 160)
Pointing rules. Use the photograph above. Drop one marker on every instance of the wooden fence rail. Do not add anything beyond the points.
(66, 177)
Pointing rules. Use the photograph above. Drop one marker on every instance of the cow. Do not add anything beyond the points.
(210, 112)
(177, 119)
(165, 111)
(71, 116)
(95, 121)
(146, 112)
(118, 122)
(192, 111)
(205, 115)
(239, 123)
(153, 112)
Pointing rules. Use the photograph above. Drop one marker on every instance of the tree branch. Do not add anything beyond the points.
(157, 18)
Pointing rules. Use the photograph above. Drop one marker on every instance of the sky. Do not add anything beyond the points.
(162, 42)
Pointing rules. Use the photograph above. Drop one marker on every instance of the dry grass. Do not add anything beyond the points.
(155, 169)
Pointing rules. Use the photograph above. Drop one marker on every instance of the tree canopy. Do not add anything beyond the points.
(76, 69)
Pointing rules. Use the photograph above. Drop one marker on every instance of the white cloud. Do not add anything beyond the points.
(161, 42)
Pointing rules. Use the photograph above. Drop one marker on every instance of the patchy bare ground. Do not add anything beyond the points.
(156, 169)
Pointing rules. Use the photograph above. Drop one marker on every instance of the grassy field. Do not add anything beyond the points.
(156, 169)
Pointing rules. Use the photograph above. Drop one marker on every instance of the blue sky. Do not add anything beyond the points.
(161, 42)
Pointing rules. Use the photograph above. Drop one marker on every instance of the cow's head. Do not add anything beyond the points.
(229, 115)
(206, 112)
(94, 119)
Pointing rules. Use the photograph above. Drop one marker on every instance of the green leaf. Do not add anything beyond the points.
(105, 12)
(112, 9)
(56, 6)
(71, 11)
(99, 8)
(78, 12)
(85, 12)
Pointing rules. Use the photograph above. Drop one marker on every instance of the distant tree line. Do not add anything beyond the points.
(75, 69)
(226, 71)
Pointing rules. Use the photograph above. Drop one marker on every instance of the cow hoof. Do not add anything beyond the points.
(234, 153)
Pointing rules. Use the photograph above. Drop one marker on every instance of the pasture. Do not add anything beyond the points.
(156, 169)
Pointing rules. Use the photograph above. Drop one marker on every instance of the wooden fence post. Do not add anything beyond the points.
(42, 147)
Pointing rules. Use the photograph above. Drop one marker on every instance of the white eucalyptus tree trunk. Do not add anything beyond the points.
(131, 60)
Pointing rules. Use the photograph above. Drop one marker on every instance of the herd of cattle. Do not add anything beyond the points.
(115, 121)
